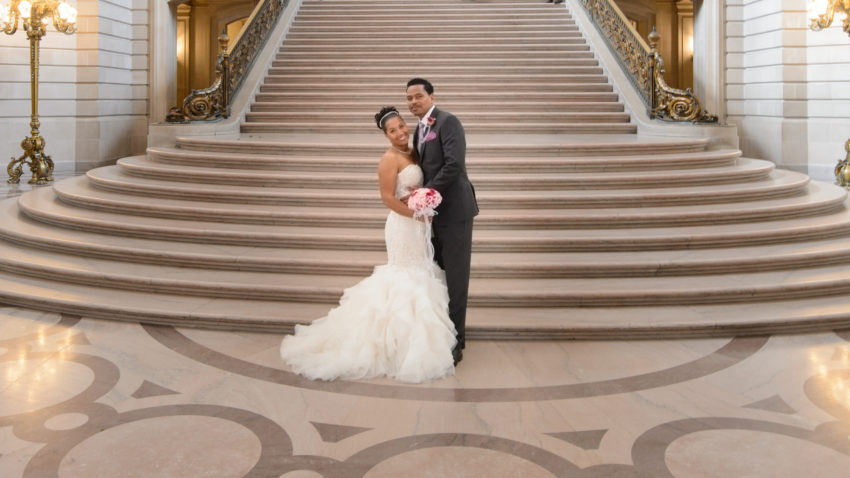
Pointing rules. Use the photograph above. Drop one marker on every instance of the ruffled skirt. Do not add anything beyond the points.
(394, 323)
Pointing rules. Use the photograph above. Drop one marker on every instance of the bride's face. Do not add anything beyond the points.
(397, 132)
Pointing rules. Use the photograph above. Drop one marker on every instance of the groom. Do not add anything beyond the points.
(441, 144)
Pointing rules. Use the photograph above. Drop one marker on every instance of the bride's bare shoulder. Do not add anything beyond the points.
(390, 162)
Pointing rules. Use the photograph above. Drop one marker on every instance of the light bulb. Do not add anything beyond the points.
(817, 7)
(5, 16)
(67, 12)
(25, 9)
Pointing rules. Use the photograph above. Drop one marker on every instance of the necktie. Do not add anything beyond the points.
(423, 132)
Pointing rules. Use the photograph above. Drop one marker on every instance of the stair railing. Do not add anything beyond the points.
(231, 68)
(644, 66)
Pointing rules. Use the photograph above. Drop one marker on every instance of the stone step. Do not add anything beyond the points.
(459, 31)
(282, 74)
(484, 323)
(373, 145)
(321, 287)
(80, 193)
(469, 117)
(448, 41)
(476, 161)
(743, 170)
(335, 5)
(437, 23)
(780, 184)
(580, 235)
(318, 11)
(539, 16)
(433, 57)
(593, 75)
(363, 109)
(322, 93)
(437, 50)
(342, 127)
(43, 207)
(476, 65)
(23, 231)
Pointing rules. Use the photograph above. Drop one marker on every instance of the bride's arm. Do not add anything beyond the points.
(387, 177)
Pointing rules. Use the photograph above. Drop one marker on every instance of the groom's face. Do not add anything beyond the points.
(418, 100)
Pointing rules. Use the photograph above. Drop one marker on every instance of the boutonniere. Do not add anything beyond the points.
(430, 121)
(431, 135)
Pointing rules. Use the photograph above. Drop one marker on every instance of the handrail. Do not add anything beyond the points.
(231, 68)
(644, 66)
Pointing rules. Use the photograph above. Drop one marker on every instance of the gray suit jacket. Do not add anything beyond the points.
(443, 162)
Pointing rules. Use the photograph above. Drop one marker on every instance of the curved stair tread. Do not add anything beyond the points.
(474, 163)
(744, 169)
(301, 54)
(320, 286)
(325, 32)
(516, 117)
(564, 92)
(373, 145)
(283, 62)
(78, 191)
(363, 109)
(512, 264)
(791, 316)
(24, 231)
(450, 42)
(527, 127)
(655, 322)
(531, 47)
(780, 183)
(42, 206)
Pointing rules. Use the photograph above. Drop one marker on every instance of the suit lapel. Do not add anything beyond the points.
(432, 129)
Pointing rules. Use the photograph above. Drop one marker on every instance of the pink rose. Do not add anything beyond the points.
(423, 201)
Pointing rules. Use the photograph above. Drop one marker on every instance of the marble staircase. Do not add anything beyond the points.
(587, 228)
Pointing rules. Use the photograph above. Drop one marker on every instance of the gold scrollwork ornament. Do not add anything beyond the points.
(842, 169)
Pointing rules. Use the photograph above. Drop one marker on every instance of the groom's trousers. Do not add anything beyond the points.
(453, 252)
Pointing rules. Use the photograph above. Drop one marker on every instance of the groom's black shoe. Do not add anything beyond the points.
(457, 354)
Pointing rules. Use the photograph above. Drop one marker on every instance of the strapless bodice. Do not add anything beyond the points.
(409, 178)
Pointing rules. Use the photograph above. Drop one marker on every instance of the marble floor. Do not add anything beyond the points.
(90, 398)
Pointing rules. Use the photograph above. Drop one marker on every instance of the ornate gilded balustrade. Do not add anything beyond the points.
(645, 66)
(232, 67)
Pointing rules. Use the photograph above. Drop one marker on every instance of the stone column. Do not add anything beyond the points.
(162, 59)
(666, 24)
(710, 57)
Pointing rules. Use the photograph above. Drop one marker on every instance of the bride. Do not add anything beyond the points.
(395, 322)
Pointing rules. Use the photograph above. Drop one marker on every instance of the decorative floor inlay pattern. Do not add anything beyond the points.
(82, 398)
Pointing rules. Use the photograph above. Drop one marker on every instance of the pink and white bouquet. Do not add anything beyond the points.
(423, 201)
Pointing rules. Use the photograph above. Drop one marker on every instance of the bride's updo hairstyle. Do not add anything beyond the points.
(382, 116)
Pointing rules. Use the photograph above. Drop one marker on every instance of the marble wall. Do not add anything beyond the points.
(787, 86)
(93, 88)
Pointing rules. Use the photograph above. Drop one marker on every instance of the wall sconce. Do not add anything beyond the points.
(822, 12)
(34, 16)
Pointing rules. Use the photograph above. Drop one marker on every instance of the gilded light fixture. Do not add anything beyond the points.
(34, 16)
(819, 20)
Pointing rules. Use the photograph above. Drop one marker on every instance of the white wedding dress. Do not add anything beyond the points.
(394, 322)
